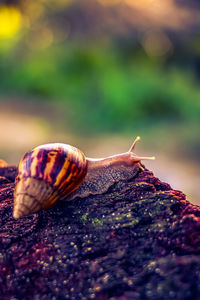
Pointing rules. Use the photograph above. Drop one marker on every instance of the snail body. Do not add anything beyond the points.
(58, 171)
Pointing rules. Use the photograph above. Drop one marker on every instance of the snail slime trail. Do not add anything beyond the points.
(59, 171)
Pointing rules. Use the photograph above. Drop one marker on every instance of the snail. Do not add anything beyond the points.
(58, 171)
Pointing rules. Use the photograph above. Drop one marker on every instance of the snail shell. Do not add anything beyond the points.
(46, 174)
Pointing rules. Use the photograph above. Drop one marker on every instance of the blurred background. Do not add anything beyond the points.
(98, 73)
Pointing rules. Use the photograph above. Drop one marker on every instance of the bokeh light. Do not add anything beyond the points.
(157, 44)
(10, 21)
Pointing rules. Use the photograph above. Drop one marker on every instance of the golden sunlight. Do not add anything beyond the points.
(163, 13)
(10, 21)
(109, 2)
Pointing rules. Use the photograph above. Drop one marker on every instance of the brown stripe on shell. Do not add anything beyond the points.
(24, 167)
(65, 171)
(47, 174)
(77, 175)
(58, 164)
(63, 188)
(74, 157)
(42, 157)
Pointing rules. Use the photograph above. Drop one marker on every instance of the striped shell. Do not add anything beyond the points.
(46, 174)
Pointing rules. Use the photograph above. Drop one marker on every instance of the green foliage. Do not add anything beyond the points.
(100, 90)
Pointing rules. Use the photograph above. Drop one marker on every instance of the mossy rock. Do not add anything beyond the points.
(139, 240)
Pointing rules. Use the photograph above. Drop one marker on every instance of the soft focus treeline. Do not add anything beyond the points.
(110, 65)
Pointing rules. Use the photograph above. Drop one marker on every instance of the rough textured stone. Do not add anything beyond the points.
(139, 240)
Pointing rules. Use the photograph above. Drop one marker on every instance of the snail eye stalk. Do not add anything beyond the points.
(134, 144)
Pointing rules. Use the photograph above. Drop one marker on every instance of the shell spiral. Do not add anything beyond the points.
(46, 174)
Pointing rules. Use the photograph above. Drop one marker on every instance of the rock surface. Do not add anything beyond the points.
(139, 240)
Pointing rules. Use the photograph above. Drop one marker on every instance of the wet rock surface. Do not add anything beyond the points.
(139, 240)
